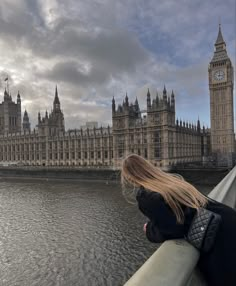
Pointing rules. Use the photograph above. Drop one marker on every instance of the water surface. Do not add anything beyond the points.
(59, 233)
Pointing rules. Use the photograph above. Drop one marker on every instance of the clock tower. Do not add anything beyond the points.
(221, 84)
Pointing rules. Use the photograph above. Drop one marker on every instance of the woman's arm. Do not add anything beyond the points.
(153, 233)
(162, 224)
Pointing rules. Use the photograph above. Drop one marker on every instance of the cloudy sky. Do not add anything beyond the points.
(96, 49)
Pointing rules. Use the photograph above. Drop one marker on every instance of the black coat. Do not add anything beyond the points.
(219, 265)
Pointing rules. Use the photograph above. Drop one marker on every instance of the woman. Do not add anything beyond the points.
(170, 205)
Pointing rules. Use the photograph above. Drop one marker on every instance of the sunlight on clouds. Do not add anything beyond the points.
(85, 67)
(28, 102)
(89, 103)
(50, 11)
(16, 77)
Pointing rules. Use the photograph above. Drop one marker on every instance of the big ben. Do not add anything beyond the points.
(221, 84)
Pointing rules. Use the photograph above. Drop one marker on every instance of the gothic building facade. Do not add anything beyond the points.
(50, 145)
(155, 135)
(154, 132)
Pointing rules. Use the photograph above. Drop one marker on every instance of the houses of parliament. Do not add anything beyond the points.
(153, 133)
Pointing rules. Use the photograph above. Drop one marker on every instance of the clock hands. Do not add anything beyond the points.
(219, 75)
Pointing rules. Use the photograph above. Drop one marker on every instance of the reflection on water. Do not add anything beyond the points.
(65, 233)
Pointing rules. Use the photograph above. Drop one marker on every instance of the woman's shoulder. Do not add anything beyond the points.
(216, 206)
(147, 194)
(152, 204)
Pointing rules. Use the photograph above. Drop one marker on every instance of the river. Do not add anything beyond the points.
(60, 233)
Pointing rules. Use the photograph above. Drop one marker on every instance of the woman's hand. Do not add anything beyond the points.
(145, 227)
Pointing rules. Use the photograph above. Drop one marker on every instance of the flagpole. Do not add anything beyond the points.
(7, 86)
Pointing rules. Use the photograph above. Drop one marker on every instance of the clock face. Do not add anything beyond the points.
(219, 75)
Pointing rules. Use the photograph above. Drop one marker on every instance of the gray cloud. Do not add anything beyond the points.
(97, 49)
(70, 72)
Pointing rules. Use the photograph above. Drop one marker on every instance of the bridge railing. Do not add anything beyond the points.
(174, 262)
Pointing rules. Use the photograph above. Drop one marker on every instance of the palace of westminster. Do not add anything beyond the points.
(155, 134)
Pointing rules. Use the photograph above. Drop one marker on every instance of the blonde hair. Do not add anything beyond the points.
(175, 191)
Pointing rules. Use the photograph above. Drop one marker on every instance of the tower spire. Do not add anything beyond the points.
(126, 100)
(26, 122)
(164, 93)
(220, 52)
(148, 99)
(113, 105)
(164, 90)
(56, 99)
(39, 117)
(220, 39)
(56, 102)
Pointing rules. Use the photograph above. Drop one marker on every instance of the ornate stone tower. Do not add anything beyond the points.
(160, 127)
(10, 114)
(18, 112)
(124, 121)
(149, 133)
(26, 122)
(52, 124)
(221, 84)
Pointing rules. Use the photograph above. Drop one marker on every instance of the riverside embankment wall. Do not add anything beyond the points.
(195, 176)
(59, 173)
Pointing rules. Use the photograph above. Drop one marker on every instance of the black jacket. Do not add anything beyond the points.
(219, 265)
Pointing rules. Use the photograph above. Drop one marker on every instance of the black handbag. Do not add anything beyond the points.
(203, 229)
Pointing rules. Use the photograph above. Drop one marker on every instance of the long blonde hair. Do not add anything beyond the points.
(175, 191)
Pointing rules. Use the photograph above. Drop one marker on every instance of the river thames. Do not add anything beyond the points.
(60, 233)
